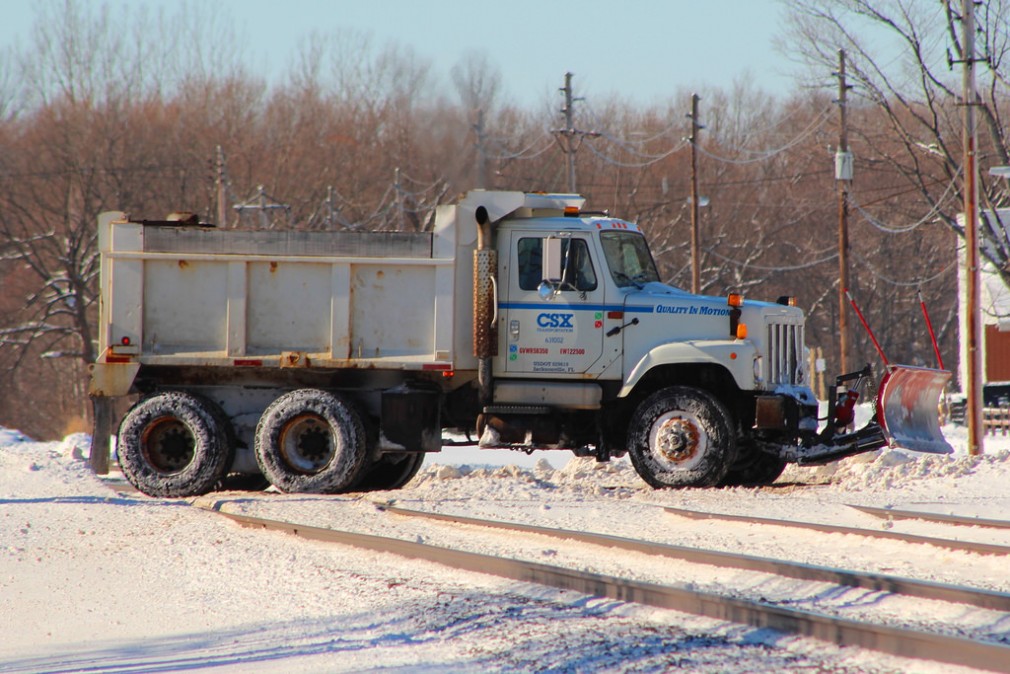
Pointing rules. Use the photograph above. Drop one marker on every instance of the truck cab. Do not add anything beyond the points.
(587, 333)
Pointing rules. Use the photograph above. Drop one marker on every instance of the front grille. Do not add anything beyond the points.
(785, 348)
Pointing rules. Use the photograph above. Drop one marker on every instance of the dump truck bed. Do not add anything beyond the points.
(194, 295)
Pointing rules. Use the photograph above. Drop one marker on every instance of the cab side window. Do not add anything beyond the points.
(580, 266)
(578, 275)
(530, 263)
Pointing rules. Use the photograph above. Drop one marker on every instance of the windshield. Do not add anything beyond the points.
(629, 259)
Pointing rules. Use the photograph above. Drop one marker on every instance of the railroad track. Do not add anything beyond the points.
(900, 641)
(997, 601)
(957, 520)
(964, 546)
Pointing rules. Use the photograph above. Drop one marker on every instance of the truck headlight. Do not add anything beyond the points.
(757, 369)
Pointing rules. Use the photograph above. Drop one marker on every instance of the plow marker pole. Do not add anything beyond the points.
(929, 326)
(866, 325)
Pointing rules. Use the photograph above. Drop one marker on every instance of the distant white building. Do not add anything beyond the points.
(995, 306)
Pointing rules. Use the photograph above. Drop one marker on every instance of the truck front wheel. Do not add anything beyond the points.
(681, 437)
(753, 468)
(310, 441)
(174, 444)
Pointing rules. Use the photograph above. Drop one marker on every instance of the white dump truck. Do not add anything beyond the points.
(335, 361)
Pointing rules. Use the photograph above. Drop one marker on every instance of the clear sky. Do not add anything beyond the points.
(647, 50)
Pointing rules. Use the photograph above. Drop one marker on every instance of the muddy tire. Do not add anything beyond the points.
(243, 482)
(681, 437)
(754, 468)
(310, 441)
(391, 471)
(174, 444)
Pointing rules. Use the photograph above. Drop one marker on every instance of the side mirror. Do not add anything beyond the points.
(551, 260)
(550, 271)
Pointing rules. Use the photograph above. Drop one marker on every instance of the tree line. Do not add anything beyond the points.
(95, 116)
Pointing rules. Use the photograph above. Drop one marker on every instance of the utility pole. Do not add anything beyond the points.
(399, 198)
(695, 229)
(263, 205)
(570, 133)
(329, 207)
(222, 199)
(480, 157)
(843, 174)
(972, 276)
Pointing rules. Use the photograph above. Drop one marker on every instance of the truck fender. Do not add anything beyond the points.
(735, 356)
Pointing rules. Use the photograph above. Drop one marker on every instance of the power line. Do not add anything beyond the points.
(627, 145)
(876, 273)
(527, 152)
(764, 155)
(747, 265)
(643, 164)
(904, 229)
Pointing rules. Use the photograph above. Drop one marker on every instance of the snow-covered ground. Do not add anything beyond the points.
(94, 579)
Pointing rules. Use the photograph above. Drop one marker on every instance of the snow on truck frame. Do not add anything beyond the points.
(334, 361)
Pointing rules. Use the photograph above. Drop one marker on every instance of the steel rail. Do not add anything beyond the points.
(909, 587)
(964, 546)
(897, 641)
(960, 520)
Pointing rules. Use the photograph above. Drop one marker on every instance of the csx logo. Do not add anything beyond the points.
(555, 320)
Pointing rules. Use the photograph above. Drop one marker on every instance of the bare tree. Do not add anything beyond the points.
(91, 133)
(900, 59)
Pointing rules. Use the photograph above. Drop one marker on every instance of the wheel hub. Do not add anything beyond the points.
(169, 445)
(677, 439)
(307, 444)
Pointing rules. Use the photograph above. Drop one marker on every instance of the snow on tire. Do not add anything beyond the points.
(310, 441)
(174, 444)
(681, 437)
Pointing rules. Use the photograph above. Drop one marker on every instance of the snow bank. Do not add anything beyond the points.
(10, 437)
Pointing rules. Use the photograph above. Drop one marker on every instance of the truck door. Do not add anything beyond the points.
(561, 334)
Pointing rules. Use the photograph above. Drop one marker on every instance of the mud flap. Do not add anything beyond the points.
(908, 408)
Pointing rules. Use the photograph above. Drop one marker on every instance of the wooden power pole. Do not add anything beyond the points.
(843, 175)
(695, 229)
(972, 275)
(569, 133)
(480, 152)
(222, 198)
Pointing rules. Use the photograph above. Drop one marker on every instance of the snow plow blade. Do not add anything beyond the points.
(908, 408)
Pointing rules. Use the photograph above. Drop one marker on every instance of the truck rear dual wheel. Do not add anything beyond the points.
(174, 444)
(390, 471)
(310, 441)
(681, 437)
